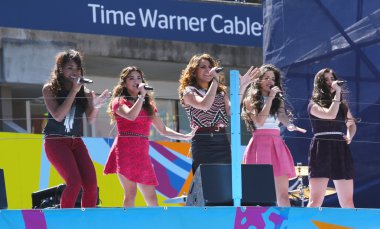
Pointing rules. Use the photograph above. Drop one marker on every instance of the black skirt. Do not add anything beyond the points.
(330, 157)
(210, 148)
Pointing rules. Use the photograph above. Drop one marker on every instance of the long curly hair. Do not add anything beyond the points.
(120, 91)
(57, 78)
(188, 77)
(321, 92)
(256, 98)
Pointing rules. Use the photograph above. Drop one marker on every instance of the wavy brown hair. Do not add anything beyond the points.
(57, 78)
(321, 91)
(188, 77)
(256, 98)
(121, 91)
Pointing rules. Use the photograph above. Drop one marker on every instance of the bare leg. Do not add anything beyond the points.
(345, 191)
(149, 193)
(130, 190)
(282, 195)
(318, 188)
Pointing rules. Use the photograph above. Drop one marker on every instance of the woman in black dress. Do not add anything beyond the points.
(330, 156)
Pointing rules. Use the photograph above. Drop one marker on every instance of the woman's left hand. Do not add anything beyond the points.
(99, 101)
(250, 76)
(292, 127)
(348, 140)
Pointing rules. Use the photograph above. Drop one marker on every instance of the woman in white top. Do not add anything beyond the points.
(263, 111)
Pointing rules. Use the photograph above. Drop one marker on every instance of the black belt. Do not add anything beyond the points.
(61, 136)
(126, 133)
(211, 129)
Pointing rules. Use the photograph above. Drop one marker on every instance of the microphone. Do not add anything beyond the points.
(279, 94)
(219, 69)
(84, 80)
(148, 88)
(341, 82)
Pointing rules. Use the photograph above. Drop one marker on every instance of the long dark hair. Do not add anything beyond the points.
(57, 78)
(256, 98)
(121, 91)
(322, 94)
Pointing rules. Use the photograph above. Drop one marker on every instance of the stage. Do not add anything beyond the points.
(191, 217)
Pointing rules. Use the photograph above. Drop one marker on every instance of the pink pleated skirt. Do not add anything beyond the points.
(267, 147)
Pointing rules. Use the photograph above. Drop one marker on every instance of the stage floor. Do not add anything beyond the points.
(191, 217)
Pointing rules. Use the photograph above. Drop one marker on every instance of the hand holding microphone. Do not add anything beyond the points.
(82, 80)
(219, 69)
(341, 82)
(278, 93)
(146, 87)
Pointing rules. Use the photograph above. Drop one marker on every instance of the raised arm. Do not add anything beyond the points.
(59, 111)
(205, 102)
(246, 79)
(95, 103)
(332, 111)
(260, 117)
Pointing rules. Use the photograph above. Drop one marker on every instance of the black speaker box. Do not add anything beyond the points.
(212, 186)
(3, 193)
(258, 186)
(50, 197)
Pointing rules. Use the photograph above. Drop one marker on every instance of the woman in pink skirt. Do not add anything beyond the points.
(263, 111)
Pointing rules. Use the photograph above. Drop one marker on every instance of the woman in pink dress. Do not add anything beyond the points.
(263, 111)
(134, 112)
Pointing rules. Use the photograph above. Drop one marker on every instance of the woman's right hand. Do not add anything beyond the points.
(273, 91)
(77, 85)
(190, 135)
(214, 74)
(335, 86)
(142, 89)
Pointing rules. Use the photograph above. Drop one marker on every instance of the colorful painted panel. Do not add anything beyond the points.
(27, 169)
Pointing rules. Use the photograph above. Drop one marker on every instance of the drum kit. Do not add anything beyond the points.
(300, 194)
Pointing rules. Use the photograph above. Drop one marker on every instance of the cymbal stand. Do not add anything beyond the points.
(300, 186)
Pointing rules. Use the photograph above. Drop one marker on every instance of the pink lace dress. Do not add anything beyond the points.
(129, 154)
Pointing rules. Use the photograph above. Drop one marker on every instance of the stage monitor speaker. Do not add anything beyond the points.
(3, 193)
(258, 186)
(212, 186)
(50, 197)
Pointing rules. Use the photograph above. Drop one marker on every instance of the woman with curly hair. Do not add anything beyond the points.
(330, 156)
(134, 111)
(67, 99)
(203, 94)
(263, 110)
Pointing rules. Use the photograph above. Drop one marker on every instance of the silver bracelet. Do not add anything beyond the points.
(140, 97)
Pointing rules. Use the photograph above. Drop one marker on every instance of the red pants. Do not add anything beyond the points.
(70, 158)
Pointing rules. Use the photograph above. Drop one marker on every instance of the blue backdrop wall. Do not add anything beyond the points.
(302, 37)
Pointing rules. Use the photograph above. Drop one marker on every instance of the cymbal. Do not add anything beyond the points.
(306, 192)
(176, 200)
(302, 170)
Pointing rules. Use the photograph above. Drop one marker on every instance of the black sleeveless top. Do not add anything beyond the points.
(327, 125)
(72, 124)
